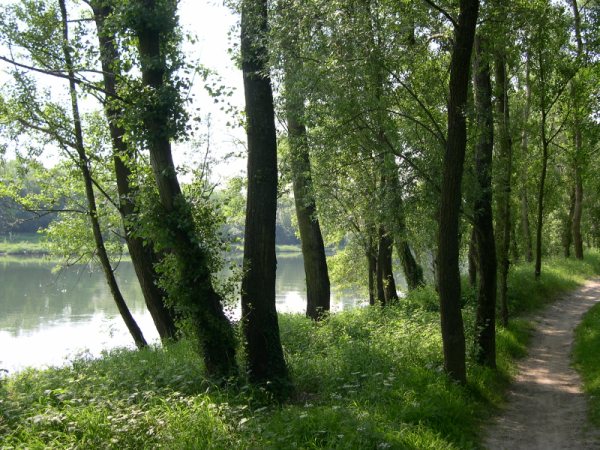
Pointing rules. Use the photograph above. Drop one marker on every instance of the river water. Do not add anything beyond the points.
(48, 317)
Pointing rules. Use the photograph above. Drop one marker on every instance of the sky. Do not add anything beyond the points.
(213, 23)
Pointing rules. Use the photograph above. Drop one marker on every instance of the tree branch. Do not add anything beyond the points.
(445, 13)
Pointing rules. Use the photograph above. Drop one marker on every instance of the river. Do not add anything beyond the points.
(47, 317)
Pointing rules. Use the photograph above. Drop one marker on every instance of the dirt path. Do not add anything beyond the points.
(546, 408)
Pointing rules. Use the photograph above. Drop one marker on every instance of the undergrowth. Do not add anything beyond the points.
(369, 378)
(585, 355)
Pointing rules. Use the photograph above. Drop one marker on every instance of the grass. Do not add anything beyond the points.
(368, 378)
(585, 356)
(22, 244)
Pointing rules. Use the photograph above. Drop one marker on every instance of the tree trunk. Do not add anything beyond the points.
(265, 354)
(84, 167)
(142, 256)
(198, 298)
(472, 259)
(386, 286)
(567, 235)
(514, 247)
(483, 220)
(313, 248)
(413, 272)
(448, 245)
(505, 182)
(542, 184)
(577, 119)
(577, 208)
(540, 202)
(372, 267)
(526, 228)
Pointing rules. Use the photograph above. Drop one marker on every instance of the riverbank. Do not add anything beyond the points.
(366, 378)
(22, 245)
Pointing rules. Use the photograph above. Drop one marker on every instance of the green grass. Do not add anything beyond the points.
(559, 275)
(369, 378)
(22, 244)
(585, 356)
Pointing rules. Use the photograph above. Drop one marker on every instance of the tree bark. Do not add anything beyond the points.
(482, 212)
(525, 226)
(199, 299)
(577, 136)
(386, 286)
(567, 236)
(448, 245)
(505, 182)
(372, 265)
(263, 346)
(472, 259)
(84, 167)
(514, 246)
(578, 205)
(313, 248)
(413, 272)
(540, 201)
(142, 256)
(542, 183)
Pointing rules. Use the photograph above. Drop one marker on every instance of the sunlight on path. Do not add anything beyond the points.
(546, 407)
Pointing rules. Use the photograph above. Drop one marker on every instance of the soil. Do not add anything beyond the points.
(546, 407)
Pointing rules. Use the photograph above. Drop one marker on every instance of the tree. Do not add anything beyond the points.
(313, 248)
(505, 179)
(551, 79)
(142, 255)
(577, 140)
(483, 227)
(266, 363)
(162, 117)
(50, 119)
(448, 244)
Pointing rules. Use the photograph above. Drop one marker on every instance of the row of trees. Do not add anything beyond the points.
(407, 126)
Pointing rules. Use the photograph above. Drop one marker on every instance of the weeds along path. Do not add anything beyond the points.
(546, 407)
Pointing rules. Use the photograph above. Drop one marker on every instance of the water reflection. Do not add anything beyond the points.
(47, 317)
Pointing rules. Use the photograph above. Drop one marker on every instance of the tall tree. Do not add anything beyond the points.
(142, 255)
(448, 241)
(266, 362)
(578, 140)
(547, 41)
(505, 179)
(311, 238)
(318, 290)
(482, 211)
(525, 227)
(84, 167)
(154, 25)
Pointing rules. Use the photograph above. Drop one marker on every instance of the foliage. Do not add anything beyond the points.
(527, 295)
(585, 356)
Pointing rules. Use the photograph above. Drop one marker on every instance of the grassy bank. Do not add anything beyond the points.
(585, 355)
(365, 379)
(22, 244)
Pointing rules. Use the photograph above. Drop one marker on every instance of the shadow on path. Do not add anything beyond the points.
(546, 407)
